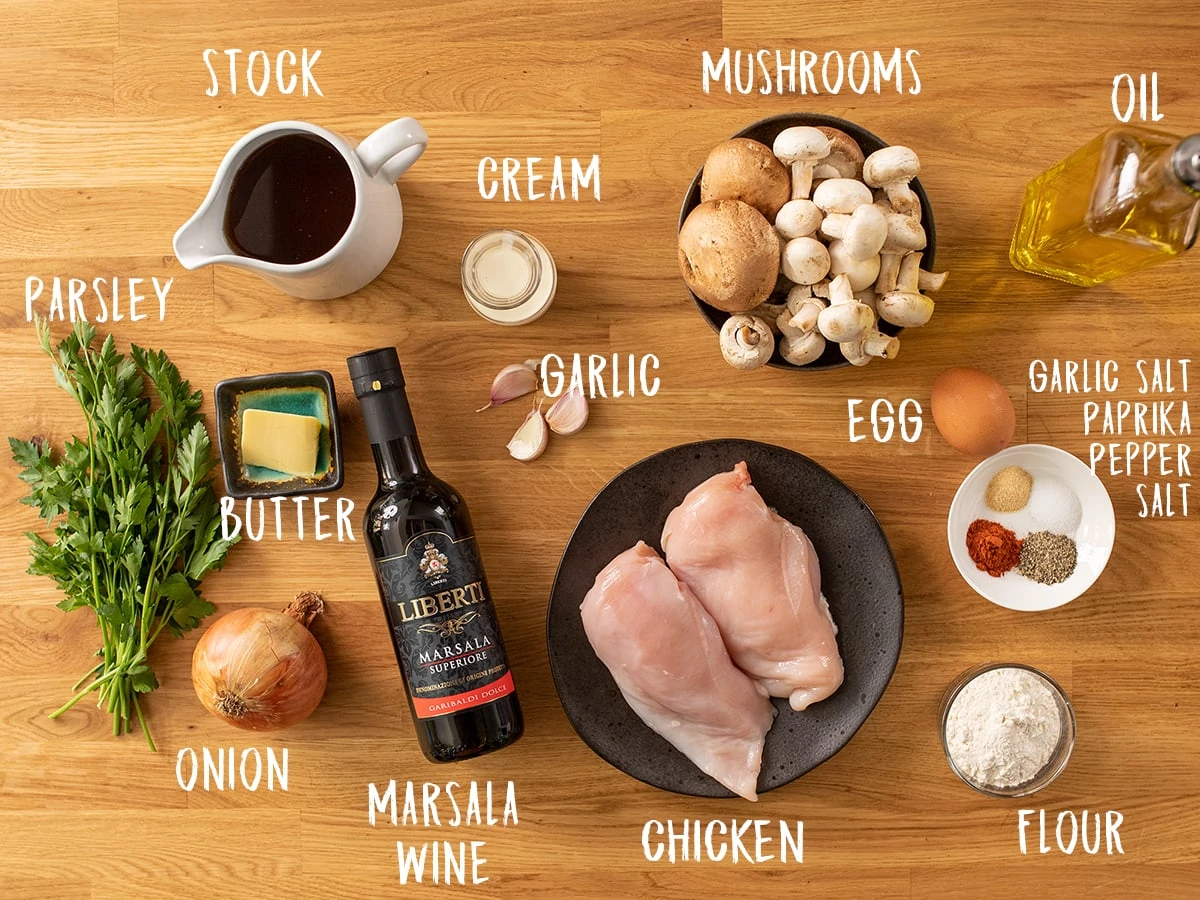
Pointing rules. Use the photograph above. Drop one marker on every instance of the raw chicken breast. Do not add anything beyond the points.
(665, 654)
(759, 578)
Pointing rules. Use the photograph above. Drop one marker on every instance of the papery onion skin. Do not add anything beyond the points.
(259, 669)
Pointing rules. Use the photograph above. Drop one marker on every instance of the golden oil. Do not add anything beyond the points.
(1125, 201)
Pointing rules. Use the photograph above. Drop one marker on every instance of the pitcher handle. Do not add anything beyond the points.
(390, 150)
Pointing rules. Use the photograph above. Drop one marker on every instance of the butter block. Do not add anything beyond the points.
(281, 441)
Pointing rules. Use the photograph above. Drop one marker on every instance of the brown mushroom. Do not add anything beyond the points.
(845, 158)
(742, 169)
(729, 255)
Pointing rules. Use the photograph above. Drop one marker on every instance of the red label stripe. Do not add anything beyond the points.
(440, 706)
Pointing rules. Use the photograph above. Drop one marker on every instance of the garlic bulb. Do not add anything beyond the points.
(513, 381)
(569, 412)
(531, 438)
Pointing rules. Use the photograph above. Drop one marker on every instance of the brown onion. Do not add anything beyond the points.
(262, 670)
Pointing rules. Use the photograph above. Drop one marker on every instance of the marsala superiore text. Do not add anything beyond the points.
(432, 583)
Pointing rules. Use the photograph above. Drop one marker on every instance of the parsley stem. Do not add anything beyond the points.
(112, 673)
(145, 730)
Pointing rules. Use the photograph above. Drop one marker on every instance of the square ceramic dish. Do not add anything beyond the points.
(300, 393)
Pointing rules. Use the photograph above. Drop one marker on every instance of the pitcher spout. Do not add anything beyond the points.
(200, 241)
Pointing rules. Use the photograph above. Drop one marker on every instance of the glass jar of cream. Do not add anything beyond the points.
(508, 277)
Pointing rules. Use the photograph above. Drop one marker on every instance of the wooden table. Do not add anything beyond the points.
(108, 142)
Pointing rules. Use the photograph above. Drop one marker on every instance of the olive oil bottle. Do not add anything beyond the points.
(1127, 200)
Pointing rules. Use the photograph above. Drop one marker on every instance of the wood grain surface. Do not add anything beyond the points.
(108, 142)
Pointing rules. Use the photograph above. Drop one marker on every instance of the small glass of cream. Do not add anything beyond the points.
(508, 277)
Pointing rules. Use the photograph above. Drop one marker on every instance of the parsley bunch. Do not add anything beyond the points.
(137, 521)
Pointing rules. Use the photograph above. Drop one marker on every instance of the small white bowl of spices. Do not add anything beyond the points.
(1031, 528)
(1007, 729)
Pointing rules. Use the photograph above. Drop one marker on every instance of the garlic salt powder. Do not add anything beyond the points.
(1003, 728)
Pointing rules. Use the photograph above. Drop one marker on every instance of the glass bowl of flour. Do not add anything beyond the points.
(1007, 729)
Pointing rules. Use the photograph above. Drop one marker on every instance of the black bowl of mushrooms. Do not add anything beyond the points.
(807, 243)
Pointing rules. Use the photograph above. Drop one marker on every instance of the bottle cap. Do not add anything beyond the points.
(1186, 161)
(374, 371)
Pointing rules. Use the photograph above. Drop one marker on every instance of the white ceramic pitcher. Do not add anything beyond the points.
(371, 238)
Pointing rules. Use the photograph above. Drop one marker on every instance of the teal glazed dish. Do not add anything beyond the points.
(308, 393)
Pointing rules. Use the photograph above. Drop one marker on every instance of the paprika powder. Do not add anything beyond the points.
(993, 548)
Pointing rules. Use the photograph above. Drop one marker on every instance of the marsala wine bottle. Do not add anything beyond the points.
(431, 581)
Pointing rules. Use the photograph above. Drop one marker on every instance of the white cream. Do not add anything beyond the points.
(503, 271)
(508, 277)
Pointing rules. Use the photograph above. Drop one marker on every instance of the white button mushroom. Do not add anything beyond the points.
(931, 281)
(864, 232)
(891, 169)
(802, 349)
(805, 260)
(747, 342)
(798, 218)
(800, 342)
(801, 147)
(768, 311)
(861, 272)
(841, 195)
(845, 319)
(872, 345)
(802, 309)
(906, 306)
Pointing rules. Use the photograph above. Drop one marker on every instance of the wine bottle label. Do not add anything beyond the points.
(443, 625)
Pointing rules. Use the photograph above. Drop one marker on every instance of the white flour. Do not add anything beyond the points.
(1003, 727)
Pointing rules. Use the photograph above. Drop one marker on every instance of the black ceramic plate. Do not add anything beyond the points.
(858, 577)
(764, 131)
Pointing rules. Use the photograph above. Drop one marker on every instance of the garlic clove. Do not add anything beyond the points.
(569, 412)
(531, 438)
(512, 381)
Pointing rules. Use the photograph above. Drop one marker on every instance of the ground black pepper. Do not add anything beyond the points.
(1047, 558)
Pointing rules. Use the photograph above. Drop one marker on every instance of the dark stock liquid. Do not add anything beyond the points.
(291, 201)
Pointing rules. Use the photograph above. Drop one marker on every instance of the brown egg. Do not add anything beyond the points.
(972, 411)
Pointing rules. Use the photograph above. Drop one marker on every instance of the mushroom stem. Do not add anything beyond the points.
(883, 346)
(908, 277)
(930, 282)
